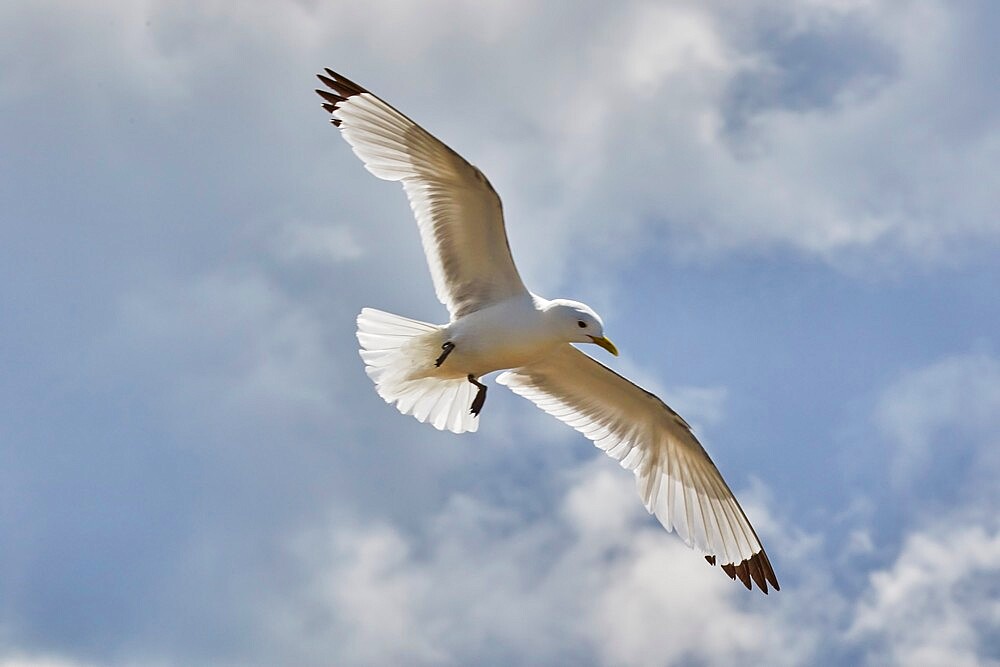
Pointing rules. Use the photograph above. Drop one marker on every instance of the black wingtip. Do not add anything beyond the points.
(754, 570)
(340, 90)
(340, 84)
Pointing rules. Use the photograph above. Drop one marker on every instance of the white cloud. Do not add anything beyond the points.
(594, 582)
(937, 603)
(682, 121)
(643, 617)
(266, 349)
(375, 596)
(316, 242)
(40, 661)
(867, 170)
(936, 415)
(670, 40)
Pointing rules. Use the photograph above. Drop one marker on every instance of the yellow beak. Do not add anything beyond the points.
(605, 343)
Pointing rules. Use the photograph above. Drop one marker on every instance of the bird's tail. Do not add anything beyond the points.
(399, 356)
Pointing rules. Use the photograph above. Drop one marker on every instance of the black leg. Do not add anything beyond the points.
(447, 347)
(480, 399)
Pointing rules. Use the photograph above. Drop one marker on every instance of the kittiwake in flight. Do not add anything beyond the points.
(433, 372)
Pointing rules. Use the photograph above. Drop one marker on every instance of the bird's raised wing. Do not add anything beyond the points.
(675, 476)
(458, 212)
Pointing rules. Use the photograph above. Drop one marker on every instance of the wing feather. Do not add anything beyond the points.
(458, 212)
(676, 479)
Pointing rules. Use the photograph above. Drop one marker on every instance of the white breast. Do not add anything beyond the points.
(508, 335)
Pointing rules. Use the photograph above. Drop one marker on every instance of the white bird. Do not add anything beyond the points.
(432, 372)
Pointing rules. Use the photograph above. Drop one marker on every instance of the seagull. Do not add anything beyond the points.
(433, 372)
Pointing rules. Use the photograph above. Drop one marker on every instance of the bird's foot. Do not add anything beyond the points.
(480, 399)
(447, 347)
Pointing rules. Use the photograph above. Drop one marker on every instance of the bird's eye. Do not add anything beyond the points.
(581, 324)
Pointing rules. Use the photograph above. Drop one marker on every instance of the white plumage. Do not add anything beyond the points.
(433, 372)
(676, 479)
(470, 263)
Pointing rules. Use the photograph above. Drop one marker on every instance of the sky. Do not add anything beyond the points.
(787, 214)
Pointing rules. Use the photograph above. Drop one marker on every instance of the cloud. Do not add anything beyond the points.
(858, 171)
(936, 604)
(39, 661)
(852, 132)
(670, 41)
(266, 348)
(314, 242)
(942, 415)
(594, 582)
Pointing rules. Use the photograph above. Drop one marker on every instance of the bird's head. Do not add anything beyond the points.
(578, 323)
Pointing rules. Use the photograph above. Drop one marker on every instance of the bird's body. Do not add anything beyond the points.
(514, 332)
(505, 335)
(432, 371)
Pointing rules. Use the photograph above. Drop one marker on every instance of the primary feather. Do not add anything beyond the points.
(675, 477)
(458, 212)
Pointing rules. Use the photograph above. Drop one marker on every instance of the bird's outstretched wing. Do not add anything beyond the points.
(458, 212)
(675, 476)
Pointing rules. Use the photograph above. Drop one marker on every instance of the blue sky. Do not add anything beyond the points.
(786, 213)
